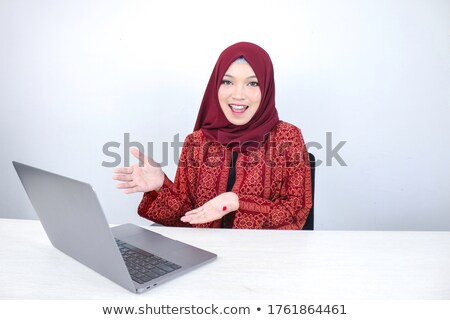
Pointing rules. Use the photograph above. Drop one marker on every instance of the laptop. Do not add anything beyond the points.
(133, 257)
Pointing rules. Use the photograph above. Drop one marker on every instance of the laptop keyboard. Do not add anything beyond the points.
(144, 266)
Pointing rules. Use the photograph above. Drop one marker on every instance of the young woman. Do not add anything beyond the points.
(241, 167)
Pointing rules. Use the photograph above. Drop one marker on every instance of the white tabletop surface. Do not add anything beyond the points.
(251, 265)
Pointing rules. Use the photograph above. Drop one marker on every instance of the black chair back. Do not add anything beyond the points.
(309, 224)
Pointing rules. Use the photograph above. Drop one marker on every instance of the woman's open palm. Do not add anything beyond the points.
(144, 176)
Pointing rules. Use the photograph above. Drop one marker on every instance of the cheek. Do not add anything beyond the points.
(222, 94)
(256, 97)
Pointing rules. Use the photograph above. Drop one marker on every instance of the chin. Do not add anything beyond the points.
(239, 122)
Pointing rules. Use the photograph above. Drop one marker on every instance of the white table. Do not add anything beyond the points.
(251, 265)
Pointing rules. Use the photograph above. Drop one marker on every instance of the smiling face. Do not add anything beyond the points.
(239, 93)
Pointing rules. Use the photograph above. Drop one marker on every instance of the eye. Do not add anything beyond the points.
(226, 82)
(254, 84)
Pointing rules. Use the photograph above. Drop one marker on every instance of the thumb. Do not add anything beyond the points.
(138, 155)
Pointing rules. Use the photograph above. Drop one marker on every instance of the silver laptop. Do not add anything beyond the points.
(133, 257)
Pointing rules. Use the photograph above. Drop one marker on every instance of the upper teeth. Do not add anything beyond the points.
(238, 107)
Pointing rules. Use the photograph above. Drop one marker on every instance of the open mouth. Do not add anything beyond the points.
(238, 108)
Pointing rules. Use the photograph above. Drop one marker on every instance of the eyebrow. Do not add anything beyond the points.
(230, 76)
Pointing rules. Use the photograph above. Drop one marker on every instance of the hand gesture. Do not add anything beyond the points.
(213, 210)
(145, 176)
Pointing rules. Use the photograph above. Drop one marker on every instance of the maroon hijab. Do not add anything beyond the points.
(211, 119)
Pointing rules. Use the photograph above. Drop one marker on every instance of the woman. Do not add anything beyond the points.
(241, 167)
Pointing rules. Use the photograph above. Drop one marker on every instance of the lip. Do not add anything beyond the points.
(237, 109)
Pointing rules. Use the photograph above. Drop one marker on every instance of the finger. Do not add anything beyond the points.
(138, 155)
(199, 209)
(126, 170)
(122, 177)
(198, 219)
(131, 190)
(187, 219)
(189, 216)
(125, 185)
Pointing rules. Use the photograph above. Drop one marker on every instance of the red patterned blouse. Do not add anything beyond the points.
(273, 183)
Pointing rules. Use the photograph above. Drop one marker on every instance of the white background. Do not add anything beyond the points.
(75, 75)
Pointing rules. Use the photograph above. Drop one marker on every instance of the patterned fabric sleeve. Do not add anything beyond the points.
(291, 208)
(167, 206)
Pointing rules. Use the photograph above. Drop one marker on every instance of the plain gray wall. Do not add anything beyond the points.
(75, 75)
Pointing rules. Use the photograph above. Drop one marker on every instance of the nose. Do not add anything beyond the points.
(238, 92)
